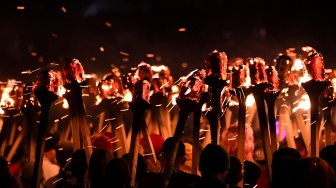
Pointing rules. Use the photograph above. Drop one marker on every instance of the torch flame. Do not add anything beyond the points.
(333, 83)
(6, 100)
(127, 96)
(303, 103)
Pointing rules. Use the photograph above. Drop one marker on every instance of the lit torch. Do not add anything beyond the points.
(74, 82)
(45, 92)
(216, 73)
(314, 64)
(271, 95)
(190, 99)
(259, 84)
(139, 105)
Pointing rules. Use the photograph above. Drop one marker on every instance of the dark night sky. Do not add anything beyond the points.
(151, 26)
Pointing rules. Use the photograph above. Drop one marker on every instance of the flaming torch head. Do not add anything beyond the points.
(142, 90)
(238, 76)
(73, 71)
(315, 66)
(256, 66)
(272, 77)
(111, 86)
(144, 72)
(193, 85)
(216, 64)
(47, 80)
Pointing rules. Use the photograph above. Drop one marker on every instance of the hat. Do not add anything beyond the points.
(213, 159)
(167, 144)
(102, 141)
(157, 142)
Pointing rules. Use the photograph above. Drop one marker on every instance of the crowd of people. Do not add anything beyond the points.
(64, 166)
(217, 168)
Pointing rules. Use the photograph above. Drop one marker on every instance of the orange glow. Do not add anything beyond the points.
(184, 64)
(108, 24)
(127, 96)
(6, 100)
(54, 35)
(182, 29)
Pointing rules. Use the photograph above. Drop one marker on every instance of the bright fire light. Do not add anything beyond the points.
(6, 100)
(127, 96)
(250, 100)
(303, 103)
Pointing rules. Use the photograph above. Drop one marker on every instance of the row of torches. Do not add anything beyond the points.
(217, 75)
(251, 72)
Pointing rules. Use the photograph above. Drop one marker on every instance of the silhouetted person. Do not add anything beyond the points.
(313, 172)
(284, 160)
(73, 173)
(142, 167)
(214, 164)
(117, 173)
(97, 164)
(235, 174)
(252, 172)
(328, 153)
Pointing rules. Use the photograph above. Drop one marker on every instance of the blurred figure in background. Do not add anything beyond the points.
(17, 160)
(64, 152)
(178, 177)
(50, 165)
(230, 141)
(26, 177)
